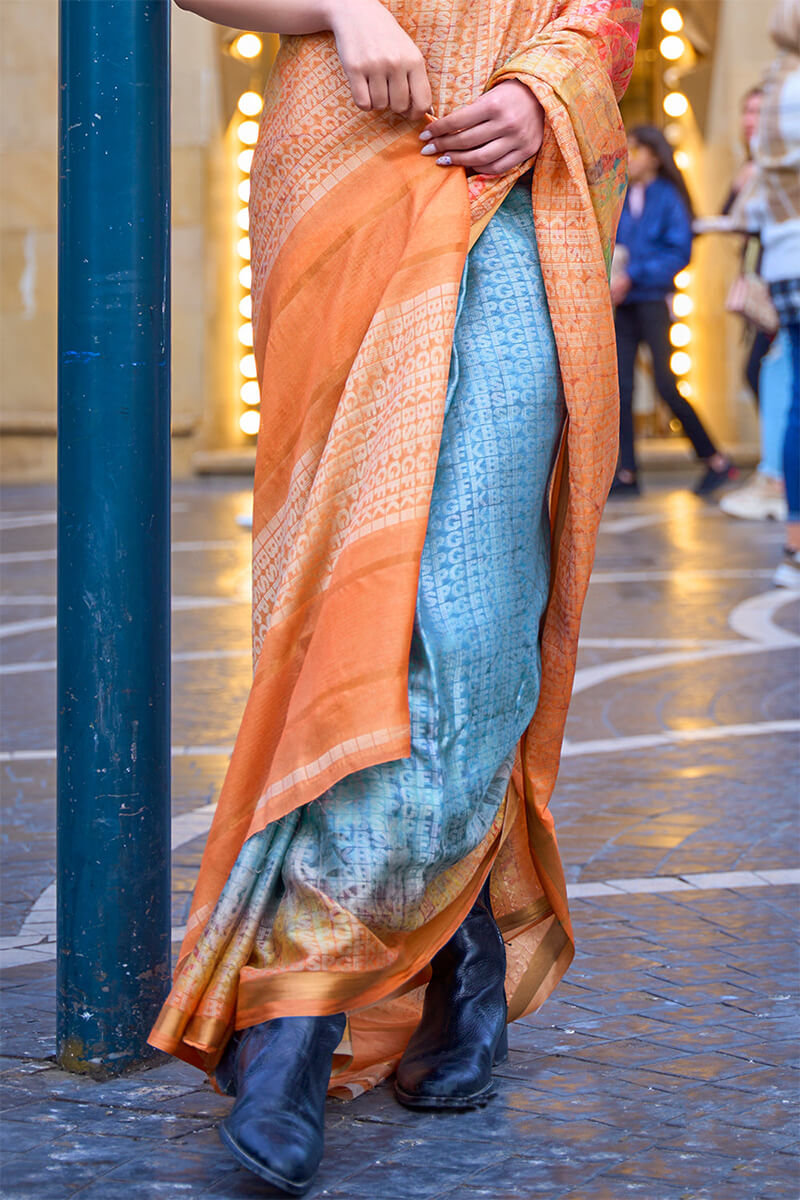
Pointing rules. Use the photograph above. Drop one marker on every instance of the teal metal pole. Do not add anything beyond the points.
(113, 532)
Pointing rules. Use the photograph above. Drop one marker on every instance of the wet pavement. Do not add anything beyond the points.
(666, 1064)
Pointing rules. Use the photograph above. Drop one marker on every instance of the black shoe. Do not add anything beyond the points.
(462, 1034)
(279, 1072)
(625, 487)
(711, 480)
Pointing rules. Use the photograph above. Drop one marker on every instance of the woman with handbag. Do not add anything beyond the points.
(656, 231)
(778, 207)
(381, 889)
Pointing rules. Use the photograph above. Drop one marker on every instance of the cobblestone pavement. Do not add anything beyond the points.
(666, 1064)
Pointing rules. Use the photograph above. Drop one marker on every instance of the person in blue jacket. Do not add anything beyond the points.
(656, 233)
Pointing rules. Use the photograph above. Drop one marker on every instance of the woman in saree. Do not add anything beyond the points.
(434, 196)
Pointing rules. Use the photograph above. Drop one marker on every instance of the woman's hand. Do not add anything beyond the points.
(384, 67)
(493, 134)
(620, 286)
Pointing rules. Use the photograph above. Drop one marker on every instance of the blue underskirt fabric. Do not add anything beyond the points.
(373, 844)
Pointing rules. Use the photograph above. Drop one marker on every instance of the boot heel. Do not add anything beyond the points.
(501, 1049)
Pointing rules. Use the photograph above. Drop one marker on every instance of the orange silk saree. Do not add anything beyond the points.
(358, 249)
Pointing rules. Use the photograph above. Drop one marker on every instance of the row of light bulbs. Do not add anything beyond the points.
(676, 105)
(247, 46)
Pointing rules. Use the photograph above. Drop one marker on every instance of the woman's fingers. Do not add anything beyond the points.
(467, 139)
(359, 90)
(421, 98)
(484, 110)
(378, 92)
(399, 93)
(483, 157)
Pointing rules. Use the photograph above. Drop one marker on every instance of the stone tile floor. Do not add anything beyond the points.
(664, 1067)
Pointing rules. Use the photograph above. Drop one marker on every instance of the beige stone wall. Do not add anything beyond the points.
(28, 249)
(28, 183)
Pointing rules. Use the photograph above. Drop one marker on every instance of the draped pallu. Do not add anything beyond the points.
(358, 248)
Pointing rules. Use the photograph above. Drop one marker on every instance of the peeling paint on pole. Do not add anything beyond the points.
(113, 532)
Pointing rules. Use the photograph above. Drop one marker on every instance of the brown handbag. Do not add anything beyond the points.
(749, 296)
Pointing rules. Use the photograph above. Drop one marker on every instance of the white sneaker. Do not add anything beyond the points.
(761, 499)
(787, 574)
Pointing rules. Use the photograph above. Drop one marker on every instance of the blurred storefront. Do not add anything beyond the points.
(697, 59)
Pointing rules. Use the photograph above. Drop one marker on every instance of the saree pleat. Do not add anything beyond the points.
(359, 247)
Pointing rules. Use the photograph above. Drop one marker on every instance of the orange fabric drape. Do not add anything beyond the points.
(358, 248)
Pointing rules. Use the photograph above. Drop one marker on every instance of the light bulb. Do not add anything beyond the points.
(672, 47)
(247, 132)
(246, 334)
(243, 219)
(246, 277)
(248, 45)
(249, 422)
(685, 388)
(671, 20)
(243, 191)
(244, 161)
(247, 366)
(250, 104)
(246, 307)
(243, 248)
(249, 392)
(682, 305)
(683, 279)
(680, 363)
(682, 160)
(675, 104)
(680, 335)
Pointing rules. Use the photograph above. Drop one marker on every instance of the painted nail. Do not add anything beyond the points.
(425, 136)
(444, 161)
(429, 149)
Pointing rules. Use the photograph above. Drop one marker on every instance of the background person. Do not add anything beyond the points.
(778, 161)
(656, 231)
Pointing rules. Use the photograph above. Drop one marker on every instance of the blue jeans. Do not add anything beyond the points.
(774, 396)
(791, 441)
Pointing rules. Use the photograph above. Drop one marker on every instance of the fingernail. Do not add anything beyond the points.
(429, 149)
(425, 136)
(444, 161)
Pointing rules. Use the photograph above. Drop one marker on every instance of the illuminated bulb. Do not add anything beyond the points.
(246, 277)
(673, 133)
(246, 334)
(243, 219)
(243, 248)
(682, 305)
(245, 161)
(248, 45)
(675, 104)
(246, 309)
(671, 20)
(672, 47)
(680, 363)
(247, 365)
(682, 160)
(249, 422)
(249, 392)
(682, 279)
(250, 104)
(680, 335)
(243, 191)
(685, 388)
(247, 131)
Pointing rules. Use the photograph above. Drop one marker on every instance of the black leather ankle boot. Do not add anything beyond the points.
(462, 1034)
(279, 1072)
